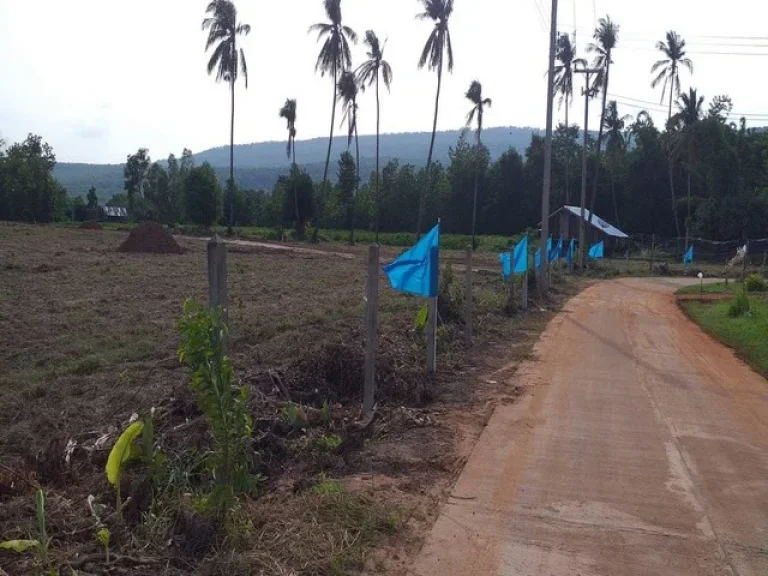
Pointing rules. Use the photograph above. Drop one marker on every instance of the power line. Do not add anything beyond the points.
(539, 11)
(662, 108)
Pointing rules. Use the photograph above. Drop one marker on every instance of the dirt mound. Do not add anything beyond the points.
(150, 237)
(91, 226)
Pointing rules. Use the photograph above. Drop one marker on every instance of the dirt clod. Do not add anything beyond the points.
(91, 226)
(150, 237)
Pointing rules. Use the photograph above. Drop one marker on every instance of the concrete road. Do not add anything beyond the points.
(641, 447)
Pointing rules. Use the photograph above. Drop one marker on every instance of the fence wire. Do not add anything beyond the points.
(644, 247)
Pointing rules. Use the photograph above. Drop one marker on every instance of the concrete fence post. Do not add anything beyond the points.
(217, 279)
(468, 299)
(372, 295)
(524, 294)
(653, 251)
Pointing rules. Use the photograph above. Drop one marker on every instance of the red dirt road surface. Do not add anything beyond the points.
(641, 447)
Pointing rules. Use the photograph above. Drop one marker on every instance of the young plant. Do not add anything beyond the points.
(40, 545)
(203, 333)
(103, 536)
(124, 451)
(294, 415)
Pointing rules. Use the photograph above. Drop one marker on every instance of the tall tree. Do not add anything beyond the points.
(334, 57)
(567, 61)
(288, 112)
(348, 92)
(228, 61)
(615, 145)
(688, 116)
(135, 172)
(348, 178)
(437, 47)
(667, 69)
(367, 74)
(475, 95)
(606, 36)
(667, 72)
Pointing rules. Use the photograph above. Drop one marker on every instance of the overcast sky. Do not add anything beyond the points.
(100, 78)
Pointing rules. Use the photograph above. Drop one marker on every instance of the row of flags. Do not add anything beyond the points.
(416, 270)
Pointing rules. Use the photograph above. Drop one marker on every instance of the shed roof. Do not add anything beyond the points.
(597, 222)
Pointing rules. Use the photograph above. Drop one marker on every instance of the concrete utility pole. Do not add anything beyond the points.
(544, 280)
(587, 95)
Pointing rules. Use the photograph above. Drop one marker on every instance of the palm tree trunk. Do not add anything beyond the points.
(231, 187)
(567, 157)
(599, 142)
(671, 172)
(477, 178)
(295, 189)
(688, 217)
(427, 179)
(613, 195)
(377, 156)
(333, 121)
(357, 183)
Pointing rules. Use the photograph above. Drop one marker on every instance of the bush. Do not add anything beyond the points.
(739, 307)
(755, 283)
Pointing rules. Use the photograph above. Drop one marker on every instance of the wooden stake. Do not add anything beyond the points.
(468, 300)
(217, 280)
(372, 295)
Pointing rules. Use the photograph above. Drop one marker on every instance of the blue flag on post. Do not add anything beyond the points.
(537, 259)
(520, 257)
(688, 258)
(569, 254)
(416, 270)
(596, 251)
(557, 253)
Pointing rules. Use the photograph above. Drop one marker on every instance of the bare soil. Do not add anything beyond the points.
(88, 338)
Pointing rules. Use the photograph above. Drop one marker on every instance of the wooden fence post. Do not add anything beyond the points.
(372, 295)
(524, 295)
(468, 299)
(653, 251)
(217, 279)
(432, 316)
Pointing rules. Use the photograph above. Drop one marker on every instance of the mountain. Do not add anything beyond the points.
(260, 164)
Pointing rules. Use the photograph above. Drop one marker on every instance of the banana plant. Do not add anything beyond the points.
(124, 451)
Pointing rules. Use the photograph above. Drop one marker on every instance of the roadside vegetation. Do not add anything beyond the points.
(739, 319)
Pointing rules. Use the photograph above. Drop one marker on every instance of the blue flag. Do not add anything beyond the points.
(537, 258)
(506, 264)
(688, 258)
(569, 254)
(596, 251)
(416, 270)
(520, 257)
(557, 253)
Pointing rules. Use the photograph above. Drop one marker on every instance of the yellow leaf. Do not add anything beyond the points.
(103, 536)
(121, 451)
(19, 545)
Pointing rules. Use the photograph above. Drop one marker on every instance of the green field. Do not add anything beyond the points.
(747, 335)
(713, 288)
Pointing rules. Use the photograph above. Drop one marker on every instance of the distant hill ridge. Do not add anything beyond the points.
(260, 164)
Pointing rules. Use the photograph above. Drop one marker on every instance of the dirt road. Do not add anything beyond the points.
(640, 448)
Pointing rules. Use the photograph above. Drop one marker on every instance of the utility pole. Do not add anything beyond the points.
(582, 228)
(543, 277)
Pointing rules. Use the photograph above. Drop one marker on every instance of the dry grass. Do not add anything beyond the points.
(88, 338)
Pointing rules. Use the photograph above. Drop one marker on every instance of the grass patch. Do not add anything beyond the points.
(747, 334)
(713, 288)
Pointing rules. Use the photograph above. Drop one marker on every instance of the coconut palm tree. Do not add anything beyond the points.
(606, 37)
(334, 57)
(367, 74)
(288, 111)
(475, 95)
(668, 68)
(228, 61)
(438, 46)
(615, 144)
(685, 121)
(348, 92)
(567, 61)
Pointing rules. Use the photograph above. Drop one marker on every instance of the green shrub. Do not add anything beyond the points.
(755, 283)
(739, 307)
(225, 405)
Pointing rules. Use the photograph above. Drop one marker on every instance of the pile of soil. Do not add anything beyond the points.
(150, 237)
(91, 226)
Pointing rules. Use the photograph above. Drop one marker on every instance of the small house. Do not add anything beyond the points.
(565, 222)
(114, 213)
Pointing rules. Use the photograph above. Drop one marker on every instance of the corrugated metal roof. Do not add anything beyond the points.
(597, 222)
(115, 211)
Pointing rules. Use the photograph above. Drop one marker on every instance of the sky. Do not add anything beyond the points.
(99, 79)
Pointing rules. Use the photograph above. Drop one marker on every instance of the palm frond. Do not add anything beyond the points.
(351, 34)
(386, 73)
(450, 48)
(244, 67)
(659, 64)
(471, 116)
(425, 53)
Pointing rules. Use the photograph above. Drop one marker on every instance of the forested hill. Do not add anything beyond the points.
(258, 165)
